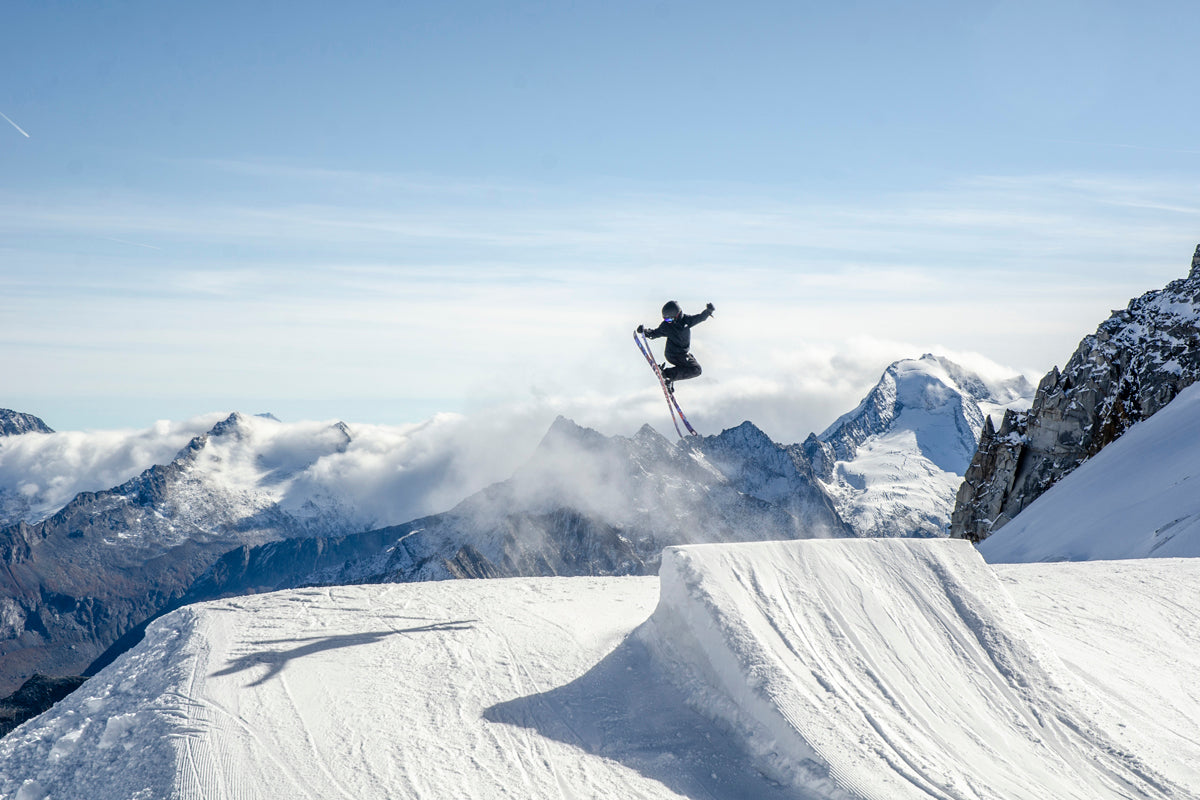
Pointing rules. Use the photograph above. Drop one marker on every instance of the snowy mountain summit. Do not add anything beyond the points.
(1136, 362)
(15, 423)
(894, 463)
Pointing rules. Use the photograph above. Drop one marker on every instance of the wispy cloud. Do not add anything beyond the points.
(410, 291)
(994, 218)
(133, 244)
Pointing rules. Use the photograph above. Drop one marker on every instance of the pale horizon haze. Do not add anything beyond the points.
(382, 212)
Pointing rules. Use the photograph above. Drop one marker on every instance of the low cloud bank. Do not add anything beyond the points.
(395, 473)
(40, 473)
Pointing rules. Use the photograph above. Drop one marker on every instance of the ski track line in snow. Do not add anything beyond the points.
(188, 775)
(209, 767)
(869, 683)
(305, 727)
(527, 685)
(1077, 738)
(1122, 629)
(867, 679)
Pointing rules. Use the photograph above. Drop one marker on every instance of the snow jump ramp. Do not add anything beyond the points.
(865, 669)
(884, 669)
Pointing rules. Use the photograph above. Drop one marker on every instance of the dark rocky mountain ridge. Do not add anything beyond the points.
(1136, 362)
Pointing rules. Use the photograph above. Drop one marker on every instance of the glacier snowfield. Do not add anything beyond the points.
(884, 668)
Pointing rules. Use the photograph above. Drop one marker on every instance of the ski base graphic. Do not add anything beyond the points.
(677, 414)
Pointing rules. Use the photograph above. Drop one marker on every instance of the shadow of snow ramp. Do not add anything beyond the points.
(883, 668)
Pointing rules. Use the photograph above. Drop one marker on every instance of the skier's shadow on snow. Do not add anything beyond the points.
(625, 710)
(277, 659)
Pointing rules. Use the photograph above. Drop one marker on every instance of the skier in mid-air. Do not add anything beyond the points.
(677, 327)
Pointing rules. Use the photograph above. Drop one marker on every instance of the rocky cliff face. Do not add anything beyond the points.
(1135, 363)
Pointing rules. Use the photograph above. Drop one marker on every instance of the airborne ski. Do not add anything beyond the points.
(677, 414)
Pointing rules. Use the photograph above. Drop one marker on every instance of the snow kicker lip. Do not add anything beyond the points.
(884, 668)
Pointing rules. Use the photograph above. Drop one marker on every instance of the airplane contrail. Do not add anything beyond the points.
(15, 125)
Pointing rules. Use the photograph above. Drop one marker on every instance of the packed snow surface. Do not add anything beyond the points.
(884, 669)
(1138, 497)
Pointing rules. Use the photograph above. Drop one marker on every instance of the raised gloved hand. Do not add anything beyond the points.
(711, 308)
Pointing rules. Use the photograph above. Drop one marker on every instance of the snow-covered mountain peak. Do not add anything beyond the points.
(895, 462)
(909, 392)
(986, 390)
(260, 452)
(747, 437)
(16, 423)
(233, 425)
(604, 476)
(245, 481)
(566, 432)
(926, 385)
(1156, 319)
(647, 433)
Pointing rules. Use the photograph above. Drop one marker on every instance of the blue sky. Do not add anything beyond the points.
(378, 211)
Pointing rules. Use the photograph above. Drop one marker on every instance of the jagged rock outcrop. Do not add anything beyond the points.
(15, 423)
(35, 696)
(1135, 363)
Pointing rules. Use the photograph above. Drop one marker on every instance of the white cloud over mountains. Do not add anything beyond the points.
(43, 472)
(395, 473)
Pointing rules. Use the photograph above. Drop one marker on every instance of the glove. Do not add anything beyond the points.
(641, 329)
(711, 308)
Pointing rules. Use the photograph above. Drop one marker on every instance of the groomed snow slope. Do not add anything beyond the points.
(1129, 630)
(522, 688)
(812, 669)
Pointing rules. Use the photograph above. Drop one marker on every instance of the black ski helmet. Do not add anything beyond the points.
(671, 310)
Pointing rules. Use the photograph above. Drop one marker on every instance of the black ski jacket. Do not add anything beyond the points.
(679, 334)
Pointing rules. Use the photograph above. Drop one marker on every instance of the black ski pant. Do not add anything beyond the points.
(683, 369)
